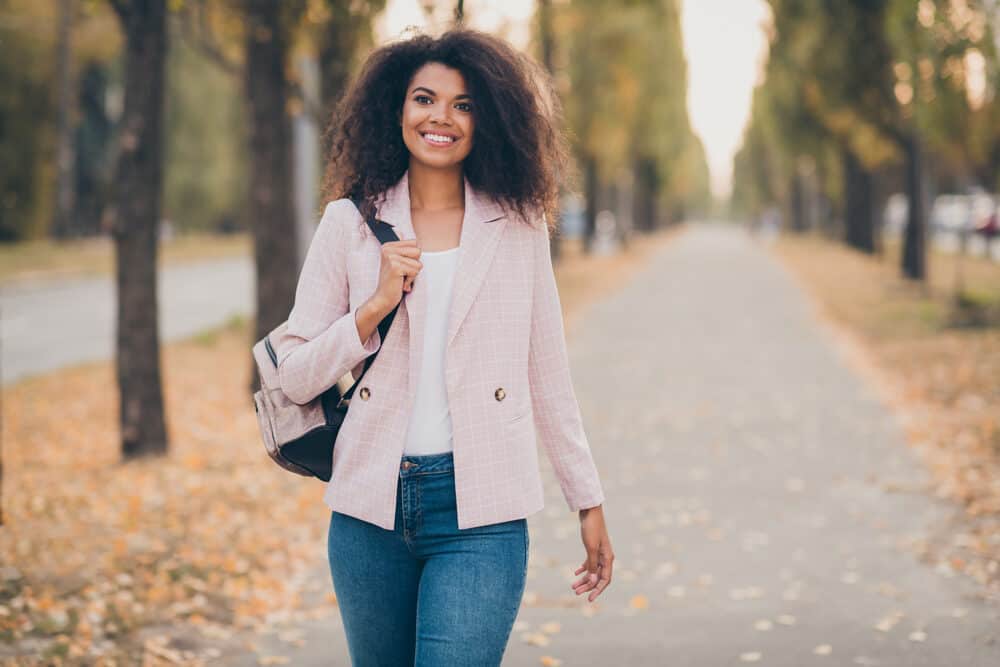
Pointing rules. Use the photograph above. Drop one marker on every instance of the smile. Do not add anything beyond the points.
(435, 139)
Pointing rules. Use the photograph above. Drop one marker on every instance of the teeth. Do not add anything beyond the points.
(439, 138)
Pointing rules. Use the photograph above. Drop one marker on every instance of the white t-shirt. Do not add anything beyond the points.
(429, 431)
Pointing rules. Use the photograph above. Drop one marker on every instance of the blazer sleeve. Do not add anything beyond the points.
(321, 342)
(558, 422)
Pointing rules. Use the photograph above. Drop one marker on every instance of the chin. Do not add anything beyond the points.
(436, 161)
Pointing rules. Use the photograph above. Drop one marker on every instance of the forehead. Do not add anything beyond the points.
(442, 79)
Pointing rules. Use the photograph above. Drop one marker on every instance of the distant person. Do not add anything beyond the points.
(435, 467)
(989, 229)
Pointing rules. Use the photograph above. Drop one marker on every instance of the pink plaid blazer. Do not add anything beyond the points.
(506, 367)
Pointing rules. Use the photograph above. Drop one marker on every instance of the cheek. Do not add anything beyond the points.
(468, 131)
(408, 128)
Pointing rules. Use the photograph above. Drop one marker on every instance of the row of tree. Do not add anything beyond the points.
(624, 82)
(183, 108)
(861, 97)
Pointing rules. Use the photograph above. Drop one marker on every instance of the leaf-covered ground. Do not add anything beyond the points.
(104, 563)
(940, 375)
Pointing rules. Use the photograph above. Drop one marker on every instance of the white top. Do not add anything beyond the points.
(429, 431)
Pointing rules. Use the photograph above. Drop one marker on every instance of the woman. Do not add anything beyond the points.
(453, 141)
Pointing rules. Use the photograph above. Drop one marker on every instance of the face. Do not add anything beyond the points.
(437, 117)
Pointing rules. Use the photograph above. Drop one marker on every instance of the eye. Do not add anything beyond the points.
(419, 99)
(463, 106)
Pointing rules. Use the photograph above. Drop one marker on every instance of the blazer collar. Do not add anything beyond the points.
(395, 207)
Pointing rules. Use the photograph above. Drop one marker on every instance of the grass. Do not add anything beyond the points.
(47, 259)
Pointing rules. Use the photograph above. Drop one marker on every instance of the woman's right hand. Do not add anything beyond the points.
(399, 267)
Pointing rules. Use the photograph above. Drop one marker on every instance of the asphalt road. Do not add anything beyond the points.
(48, 325)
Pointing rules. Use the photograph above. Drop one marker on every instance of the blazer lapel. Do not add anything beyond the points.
(482, 226)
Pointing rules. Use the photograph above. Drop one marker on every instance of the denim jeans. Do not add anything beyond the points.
(427, 593)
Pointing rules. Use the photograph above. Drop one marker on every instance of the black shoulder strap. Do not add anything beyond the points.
(384, 233)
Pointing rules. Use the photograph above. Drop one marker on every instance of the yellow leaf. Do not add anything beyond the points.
(639, 602)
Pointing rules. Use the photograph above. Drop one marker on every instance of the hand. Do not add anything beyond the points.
(399, 267)
(600, 556)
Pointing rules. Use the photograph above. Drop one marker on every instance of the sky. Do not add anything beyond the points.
(726, 49)
(724, 42)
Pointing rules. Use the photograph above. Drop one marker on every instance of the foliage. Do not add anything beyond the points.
(864, 76)
(206, 138)
(625, 92)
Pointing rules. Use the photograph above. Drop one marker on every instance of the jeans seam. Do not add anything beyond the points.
(526, 546)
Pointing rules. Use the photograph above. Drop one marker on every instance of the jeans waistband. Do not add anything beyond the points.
(414, 464)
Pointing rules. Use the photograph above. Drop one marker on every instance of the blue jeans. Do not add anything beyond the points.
(427, 593)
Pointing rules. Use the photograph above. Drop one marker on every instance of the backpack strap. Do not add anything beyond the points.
(384, 233)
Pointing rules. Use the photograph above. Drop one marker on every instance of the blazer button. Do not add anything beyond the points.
(499, 393)
(364, 393)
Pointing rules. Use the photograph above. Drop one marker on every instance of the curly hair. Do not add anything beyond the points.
(518, 150)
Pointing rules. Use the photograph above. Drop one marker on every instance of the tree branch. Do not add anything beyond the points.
(199, 34)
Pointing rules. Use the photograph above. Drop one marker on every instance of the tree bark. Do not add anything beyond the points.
(546, 35)
(644, 208)
(271, 211)
(914, 258)
(859, 209)
(797, 204)
(137, 200)
(591, 193)
(62, 223)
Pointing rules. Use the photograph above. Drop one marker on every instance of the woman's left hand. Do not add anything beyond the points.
(600, 557)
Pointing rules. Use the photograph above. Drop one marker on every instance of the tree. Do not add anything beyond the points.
(271, 212)
(62, 225)
(626, 107)
(137, 202)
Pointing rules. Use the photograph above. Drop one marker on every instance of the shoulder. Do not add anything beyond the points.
(530, 224)
(340, 220)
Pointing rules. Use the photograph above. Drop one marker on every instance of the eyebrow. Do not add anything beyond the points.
(457, 97)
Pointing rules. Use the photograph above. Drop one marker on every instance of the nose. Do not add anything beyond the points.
(439, 114)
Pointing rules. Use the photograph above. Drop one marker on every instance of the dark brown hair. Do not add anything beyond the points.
(518, 150)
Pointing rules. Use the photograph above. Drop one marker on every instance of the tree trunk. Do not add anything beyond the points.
(547, 39)
(137, 197)
(797, 204)
(644, 211)
(591, 186)
(271, 211)
(859, 208)
(62, 223)
(915, 235)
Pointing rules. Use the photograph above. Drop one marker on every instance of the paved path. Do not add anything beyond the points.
(746, 471)
(45, 326)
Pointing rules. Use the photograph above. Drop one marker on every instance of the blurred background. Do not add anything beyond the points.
(159, 177)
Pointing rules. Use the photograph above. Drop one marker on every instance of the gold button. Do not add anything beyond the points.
(365, 393)
(499, 393)
(407, 465)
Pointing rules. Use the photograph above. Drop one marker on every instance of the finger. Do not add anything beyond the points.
(407, 249)
(403, 265)
(599, 588)
(585, 583)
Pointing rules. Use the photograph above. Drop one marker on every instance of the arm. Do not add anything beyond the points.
(322, 341)
(557, 414)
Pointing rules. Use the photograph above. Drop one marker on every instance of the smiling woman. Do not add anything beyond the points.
(454, 142)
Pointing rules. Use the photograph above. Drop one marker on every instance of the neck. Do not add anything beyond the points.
(434, 189)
